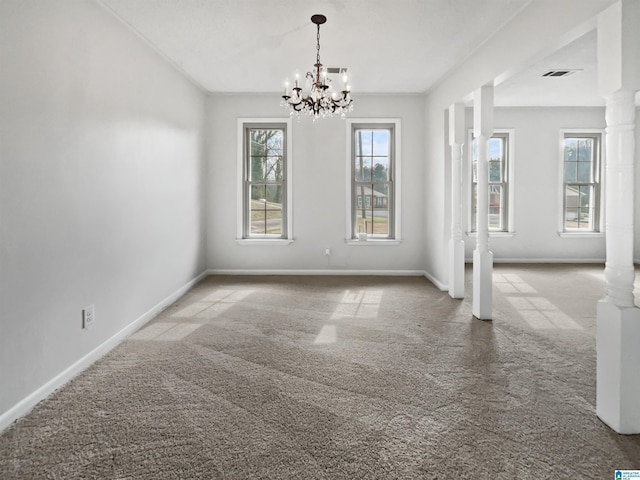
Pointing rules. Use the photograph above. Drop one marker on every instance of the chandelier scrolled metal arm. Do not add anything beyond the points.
(322, 100)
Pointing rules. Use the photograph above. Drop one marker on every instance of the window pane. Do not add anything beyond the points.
(474, 213)
(257, 169)
(571, 150)
(571, 216)
(363, 142)
(363, 169)
(585, 147)
(372, 209)
(257, 219)
(495, 171)
(273, 168)
(381, 142)
(258, 192)
(578, 208)
(273, 209)
(266, 154)
(380, 169)
(495, 207)
(570, 172)
(571, 196)
(380, 215)
(257, 212)
(266, 141)
(275, 141)
(585, 196)
(363, 214)
(584, 171)
(266, 209)
(257, 146)
(495, 148)
(585, 218)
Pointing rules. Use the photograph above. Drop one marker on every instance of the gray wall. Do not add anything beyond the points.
(319, 188)
(100, 185)
(536, 186)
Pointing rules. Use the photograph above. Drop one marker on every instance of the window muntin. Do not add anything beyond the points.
(264, 181)
(581, 182)
(498, 183)
(372, 181)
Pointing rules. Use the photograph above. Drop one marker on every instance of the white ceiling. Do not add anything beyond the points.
(252, 45)
(529, 88)
(389, 46)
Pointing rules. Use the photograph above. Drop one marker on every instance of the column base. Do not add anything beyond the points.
(482, 307)
(456, 268)
(618, 367)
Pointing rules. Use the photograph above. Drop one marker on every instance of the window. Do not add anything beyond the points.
(265, 193)
(500, 178)
(373, 173)
(581, 181)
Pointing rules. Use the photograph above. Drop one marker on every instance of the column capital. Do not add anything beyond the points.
(621, 109)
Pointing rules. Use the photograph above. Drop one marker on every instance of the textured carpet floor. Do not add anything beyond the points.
(339, 378)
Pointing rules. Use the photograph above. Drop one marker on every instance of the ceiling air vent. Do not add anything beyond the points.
(565, 72)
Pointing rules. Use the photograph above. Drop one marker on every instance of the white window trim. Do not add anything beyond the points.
(397, 181)
(511, 217)
(240, 183)
(601, 213)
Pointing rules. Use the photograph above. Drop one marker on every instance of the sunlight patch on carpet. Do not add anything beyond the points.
(328, 334)
(358, 304)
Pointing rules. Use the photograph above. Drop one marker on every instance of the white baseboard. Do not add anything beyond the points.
(390, 273)
(26, 404)
(543, 260)
(441, 286)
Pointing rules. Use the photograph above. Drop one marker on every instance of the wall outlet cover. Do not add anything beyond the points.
(88, 316)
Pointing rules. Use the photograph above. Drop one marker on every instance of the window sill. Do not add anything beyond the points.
(581, 234)
(492, 234)
(264, 241)
(372, 242)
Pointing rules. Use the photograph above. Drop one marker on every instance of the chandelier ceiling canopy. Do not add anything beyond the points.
(322, 99)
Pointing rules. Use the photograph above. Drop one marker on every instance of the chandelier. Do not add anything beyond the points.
(322, 100)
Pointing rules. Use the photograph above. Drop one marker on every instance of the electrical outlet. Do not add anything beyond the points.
(88, 316)
(327, 251)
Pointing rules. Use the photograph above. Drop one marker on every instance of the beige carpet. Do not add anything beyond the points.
(339, 378)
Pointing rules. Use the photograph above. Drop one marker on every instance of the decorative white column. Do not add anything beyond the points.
(620, 151)
(456, 244)
(482, 305)
(618, 319)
